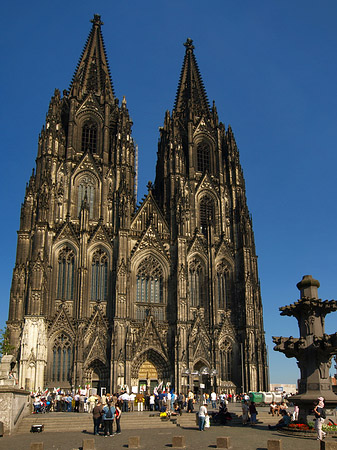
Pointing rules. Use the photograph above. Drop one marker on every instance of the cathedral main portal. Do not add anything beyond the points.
(147, 377)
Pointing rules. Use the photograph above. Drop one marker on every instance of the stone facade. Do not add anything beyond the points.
(110, 293)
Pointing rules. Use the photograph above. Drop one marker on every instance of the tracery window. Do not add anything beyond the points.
(89, 137)
(222, 282)
(150, 281)
(206, 213)
(203, 157)
(86, 188)
(196, 283)
(226, 355)
(99, 276)
(66, 274)
(62, 358)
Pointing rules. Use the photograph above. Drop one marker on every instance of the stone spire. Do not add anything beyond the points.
(191, 94)
(92, 73)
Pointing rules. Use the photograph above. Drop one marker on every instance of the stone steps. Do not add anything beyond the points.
(64, 422)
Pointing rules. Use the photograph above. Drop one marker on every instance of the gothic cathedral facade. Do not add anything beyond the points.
(110, 293)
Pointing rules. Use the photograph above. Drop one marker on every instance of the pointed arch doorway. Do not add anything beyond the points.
(147, 377)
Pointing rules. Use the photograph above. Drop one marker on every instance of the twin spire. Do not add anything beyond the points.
(93, 75)
(191, 93)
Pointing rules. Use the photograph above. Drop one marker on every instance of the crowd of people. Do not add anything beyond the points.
(107, 409)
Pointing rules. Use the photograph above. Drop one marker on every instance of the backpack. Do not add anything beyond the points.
(323, 414)
(109, 415)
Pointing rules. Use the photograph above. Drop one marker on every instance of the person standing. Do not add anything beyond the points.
(245, 410)
(109, 412)
(320, 416)
(202, 416)
(140, 401)
(118, 418)
(213, 399)
(253, 413)
(97, 413)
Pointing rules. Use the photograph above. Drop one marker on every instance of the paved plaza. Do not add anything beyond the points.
(250, 438)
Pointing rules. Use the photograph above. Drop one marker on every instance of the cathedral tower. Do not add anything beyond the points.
(113, 295)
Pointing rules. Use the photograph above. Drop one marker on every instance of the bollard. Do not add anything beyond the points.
(36, 446)
(178, 441)
(134, 442)
(223, 442)
(328, 445)
(274, 444)
(88, 444)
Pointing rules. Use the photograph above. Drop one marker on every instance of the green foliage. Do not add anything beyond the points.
(5, 347)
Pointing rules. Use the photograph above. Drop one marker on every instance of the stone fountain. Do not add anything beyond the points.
(313, 349)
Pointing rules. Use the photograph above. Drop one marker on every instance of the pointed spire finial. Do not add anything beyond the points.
(97, 20)
(189, 44)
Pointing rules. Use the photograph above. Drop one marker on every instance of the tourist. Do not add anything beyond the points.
(245, 411)
(92, 402)
(213, 399)
(125, 405)
(140, 401)
(109, 412)
(190, 398)
(320, 417)
(132, 397)
(273, 408)
(118, 418)
(152, 398)
(97, 413)
(202, 416)
(283, 422)
(253, 413)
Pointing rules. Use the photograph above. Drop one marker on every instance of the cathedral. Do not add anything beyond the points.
(114, 294)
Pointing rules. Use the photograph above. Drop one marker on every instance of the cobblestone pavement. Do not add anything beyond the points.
(243, 438)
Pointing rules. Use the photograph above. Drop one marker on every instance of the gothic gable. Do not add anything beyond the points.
(66, 232)
(149, 212)
(61, 322)
(100, 235)
(151, 339)
(86, 163)
(203, 127)
(198, 331)
(224, 252)
(150, 240)
(206, 183)
(198, 246)
(226, 329)
(96, 351)
(90, 104)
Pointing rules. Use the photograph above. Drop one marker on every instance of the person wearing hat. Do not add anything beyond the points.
(319, 418)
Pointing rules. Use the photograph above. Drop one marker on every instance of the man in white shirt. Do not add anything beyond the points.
(202, 416)
(213, 399)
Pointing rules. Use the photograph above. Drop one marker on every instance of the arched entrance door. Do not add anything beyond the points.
(149, 369)
(147, 377)
(97, 375)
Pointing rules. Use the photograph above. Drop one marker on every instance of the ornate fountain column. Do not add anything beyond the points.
(314, 349)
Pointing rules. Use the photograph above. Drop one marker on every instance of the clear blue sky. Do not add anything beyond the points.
(271, 68)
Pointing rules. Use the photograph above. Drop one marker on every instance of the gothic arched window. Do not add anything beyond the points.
(196, 283)
(62, 359)
(89, 137)
(226, 356)
(99, 276)
(203, 157)
(150, 281)
(66, 274)
(206, 213)
(86, 188)
(222, 287)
